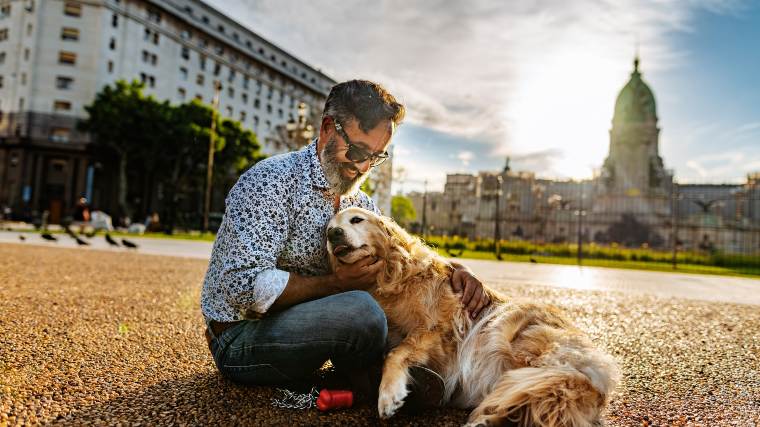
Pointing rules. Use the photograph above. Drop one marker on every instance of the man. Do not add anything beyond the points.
(274, 310)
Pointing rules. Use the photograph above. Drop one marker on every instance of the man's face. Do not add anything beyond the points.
(343, 175)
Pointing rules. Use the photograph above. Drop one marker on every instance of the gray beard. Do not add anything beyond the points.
(339, 184)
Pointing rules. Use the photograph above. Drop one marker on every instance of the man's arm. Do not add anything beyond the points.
(474, 297)
(358, 276)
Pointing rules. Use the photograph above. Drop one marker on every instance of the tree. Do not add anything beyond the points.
(402, 210)
(159, 144)
(126, 123)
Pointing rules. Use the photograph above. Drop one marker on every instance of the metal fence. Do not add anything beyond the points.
(709, 228)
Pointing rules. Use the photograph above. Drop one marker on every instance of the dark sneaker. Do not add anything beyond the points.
(426, 390)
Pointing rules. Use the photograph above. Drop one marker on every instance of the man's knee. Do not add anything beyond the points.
(366, 316)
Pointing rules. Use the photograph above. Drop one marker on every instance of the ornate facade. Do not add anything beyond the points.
(633, 201)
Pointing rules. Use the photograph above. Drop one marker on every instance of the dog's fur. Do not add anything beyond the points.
(520, 362)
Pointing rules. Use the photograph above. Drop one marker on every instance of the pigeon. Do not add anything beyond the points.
(21, 237)
(128, 244)
(81, 242)
(48, 236)
(71, 233)
(111, 241)
(533, 260)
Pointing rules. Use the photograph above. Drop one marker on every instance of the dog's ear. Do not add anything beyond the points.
(394, 245)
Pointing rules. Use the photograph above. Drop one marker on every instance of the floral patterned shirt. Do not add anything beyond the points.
(274, 224)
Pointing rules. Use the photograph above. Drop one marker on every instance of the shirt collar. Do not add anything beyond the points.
(317, 173)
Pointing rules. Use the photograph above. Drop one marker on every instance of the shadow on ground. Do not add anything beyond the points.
(209, 399)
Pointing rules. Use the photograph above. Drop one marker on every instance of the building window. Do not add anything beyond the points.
(67, 58)
(204, 19)
(245, 82)
(21, 103)
(148, 79)
(229, 111)
(115, 20)
(202, 60)
(5, 11)
(61, 106)
(231, 77)
(112, 44)
(244, 96)
(26, 54)
(231, 92)
(60, 134)
(235, 37)
(256, 103)
(1, 81)
(220, 28)
(268, 125)
(185, 34)
(149, 58)
(219, 49)
(199, 97)
(28, 29)
(269, 108)
(217, 68)
(3, 34)
(70, 34)
(110, 66)
(71, 8)
(23, 78)
(242, 116)
(155, 39)
(183, 73)
(279, 113)
(2, 57)
(181, 93)
(154, 15)
(199, 80)
(185, 53)
(64, 83)
(255, 121)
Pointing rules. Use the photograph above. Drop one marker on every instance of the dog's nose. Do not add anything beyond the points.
(335, 234)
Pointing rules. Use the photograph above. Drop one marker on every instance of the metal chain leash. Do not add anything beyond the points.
(287, 399)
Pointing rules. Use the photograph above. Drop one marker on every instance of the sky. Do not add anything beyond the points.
(537, 80)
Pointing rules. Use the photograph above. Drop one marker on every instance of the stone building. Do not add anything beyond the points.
(634, 200)
(55, 55)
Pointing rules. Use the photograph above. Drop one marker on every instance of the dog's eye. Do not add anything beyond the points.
(356, 220)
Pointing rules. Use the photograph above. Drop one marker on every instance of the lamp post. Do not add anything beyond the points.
(299, 132)
(497, 219)
(581, 213)
(210, 159)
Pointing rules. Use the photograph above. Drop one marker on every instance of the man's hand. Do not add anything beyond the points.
(360, 275)
(474, 298)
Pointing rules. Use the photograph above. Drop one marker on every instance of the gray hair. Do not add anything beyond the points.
(365, 101)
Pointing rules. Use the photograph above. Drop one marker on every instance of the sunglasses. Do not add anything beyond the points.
(356, 153)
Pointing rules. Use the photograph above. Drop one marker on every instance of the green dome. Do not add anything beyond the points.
(635, 103)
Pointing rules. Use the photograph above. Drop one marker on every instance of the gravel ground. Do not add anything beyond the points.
(91, 337)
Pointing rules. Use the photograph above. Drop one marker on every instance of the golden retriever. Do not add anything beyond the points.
(518, 362)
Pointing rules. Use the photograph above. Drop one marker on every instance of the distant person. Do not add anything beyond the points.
(274, 310)
(82, 214)
(153, 222)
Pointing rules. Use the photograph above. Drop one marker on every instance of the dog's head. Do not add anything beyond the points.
(355, 233)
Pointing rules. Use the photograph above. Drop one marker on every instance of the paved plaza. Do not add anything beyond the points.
(105, 336)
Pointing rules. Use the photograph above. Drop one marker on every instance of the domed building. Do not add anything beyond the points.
(633, 178)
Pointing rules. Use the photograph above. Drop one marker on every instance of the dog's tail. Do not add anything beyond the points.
(560, 395)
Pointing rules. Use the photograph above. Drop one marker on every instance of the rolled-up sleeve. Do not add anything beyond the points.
(255, 230)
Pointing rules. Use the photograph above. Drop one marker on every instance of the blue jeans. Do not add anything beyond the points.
(287, 347)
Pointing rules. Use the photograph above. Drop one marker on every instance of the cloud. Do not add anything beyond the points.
(516, 76)
(465, 157)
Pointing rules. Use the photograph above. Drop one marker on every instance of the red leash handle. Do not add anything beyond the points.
(334, 399)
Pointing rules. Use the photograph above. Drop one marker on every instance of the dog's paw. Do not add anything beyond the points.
(393, 391)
